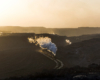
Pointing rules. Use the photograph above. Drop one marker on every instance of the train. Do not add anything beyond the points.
(49, 53)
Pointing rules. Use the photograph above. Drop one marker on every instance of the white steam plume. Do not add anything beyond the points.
(44, 43)
(68, 41)
(31, 40)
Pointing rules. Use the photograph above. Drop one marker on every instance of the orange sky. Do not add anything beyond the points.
(50, 13)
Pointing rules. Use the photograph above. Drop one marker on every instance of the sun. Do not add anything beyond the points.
(7, 6)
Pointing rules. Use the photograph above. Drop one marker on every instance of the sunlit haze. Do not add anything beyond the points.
(50, 13)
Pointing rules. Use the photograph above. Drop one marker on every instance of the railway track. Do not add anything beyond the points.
(59, 63)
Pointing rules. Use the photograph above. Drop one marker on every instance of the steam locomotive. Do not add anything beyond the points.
(49, 53)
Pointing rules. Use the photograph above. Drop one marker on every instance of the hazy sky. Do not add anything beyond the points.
(50, 13)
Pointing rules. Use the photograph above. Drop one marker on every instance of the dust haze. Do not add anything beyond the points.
(50, 14)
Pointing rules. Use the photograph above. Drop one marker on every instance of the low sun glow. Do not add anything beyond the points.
(50, 13)
(7, 5)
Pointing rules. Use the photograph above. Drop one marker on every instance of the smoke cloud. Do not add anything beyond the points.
(68, 41)
(31, 40)
(44, 43)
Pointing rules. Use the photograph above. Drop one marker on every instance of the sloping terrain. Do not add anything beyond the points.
(19, 58)
(82, 53)
(75, 39)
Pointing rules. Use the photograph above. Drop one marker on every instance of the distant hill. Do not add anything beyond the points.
(60, 31)
(75, 39)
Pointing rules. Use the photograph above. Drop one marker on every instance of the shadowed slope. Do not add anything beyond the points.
(18, 57)
(82, 53)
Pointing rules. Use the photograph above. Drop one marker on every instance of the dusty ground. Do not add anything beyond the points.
(20, 58)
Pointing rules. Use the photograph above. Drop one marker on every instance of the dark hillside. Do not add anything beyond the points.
(81, 53)
(19, 58)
